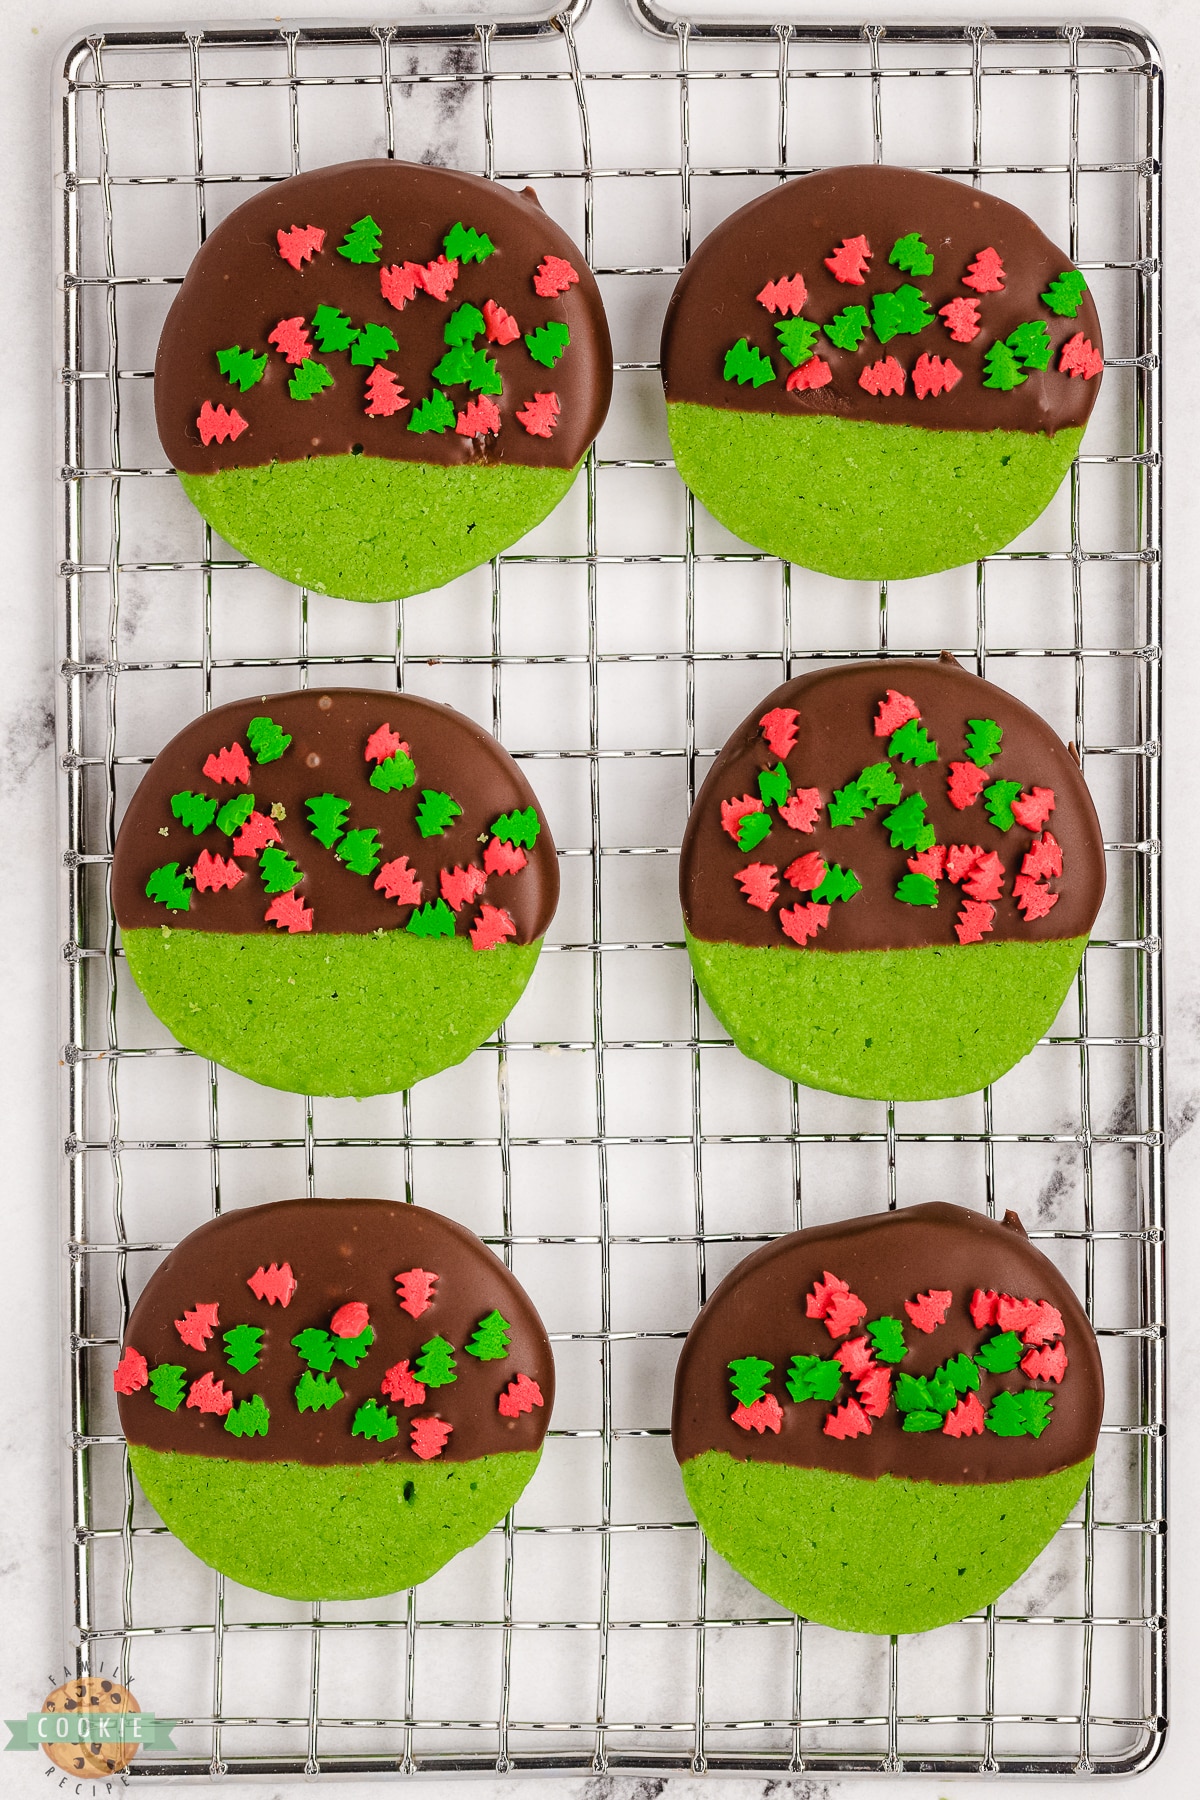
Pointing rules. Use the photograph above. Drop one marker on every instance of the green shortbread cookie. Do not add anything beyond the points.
(380, 375)
(347, 1532)
(886, 1555)
(880, 1422)
(889, 878)
(335, 892)
(877, 373)
(329, 1399)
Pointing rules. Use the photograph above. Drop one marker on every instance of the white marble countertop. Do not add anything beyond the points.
(31, 37)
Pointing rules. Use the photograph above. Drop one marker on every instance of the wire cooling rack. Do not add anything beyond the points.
(610, 1142)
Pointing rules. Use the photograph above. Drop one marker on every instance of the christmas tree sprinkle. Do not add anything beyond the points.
(848, 328)
(242, 1347)
(901, 313)
(911, 253)
(797, 338)
(333, 328)
(745, 362)
(887, 1339)
(462, 243)
(372, 345)
(464, 325)
(394, 773)
(167, 1384)
(748, 1376)
(917, 890)
(361, 243)
(327, 815)
(1030, 344)
(279, 873)
(435, 413)
(490, 1340)
(1003, 369)
(906, 825)
(436, 1365)
(548, 343)
(912, 744)
(317, 1393)
(359, 850)
(436, 813)
(196, 811)
(309, 380)
(241, 368)
(983, 741)
(249, 1419)
(519, 827)
(433, 920)
(1065, 294)
(375, 1422)
(267, 740)
(169, 888)
(998, 799)
(813, 1378)
(234, 814)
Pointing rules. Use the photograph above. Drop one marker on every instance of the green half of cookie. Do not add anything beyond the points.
(344, 1532)
(371, 527)
(333, 1013)
(915, 1024)
(883, 1555)
(867, 501)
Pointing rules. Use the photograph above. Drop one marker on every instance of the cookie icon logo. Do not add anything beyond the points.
(87, 1750)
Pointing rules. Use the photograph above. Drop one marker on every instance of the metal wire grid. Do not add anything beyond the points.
(840, 1704)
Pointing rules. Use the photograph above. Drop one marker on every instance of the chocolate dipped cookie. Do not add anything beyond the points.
(881, 1423)
(378, 375)
(328, 1399)
(888, 880)
(878, 373)
(334, 891)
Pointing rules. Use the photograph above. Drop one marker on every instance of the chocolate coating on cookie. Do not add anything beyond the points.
(887, 1259)
(239, 288)
(330, 730)
(340, 1253)
(794, 228)
(835, 741)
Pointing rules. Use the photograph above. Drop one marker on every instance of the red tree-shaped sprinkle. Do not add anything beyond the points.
(961, 859)
(385, 396)
(1033, 809)
(478, 418)
(974, 918)
(1013, 1314)
(258, 831)
(131, 1373)
(986, 880)
(520, 1396)
(220, 423)
(292, 340)
(1034, 900)
(815, 373)
(817, 1304)
(986, 273)
(399, 1383)
(787, 295)
(984, 1302)
(807, 872)
(857, 1356)
(800, 923)
(209, 1396)
(400, 285)
(760, 884)
(491, 928)
(962, 319)
(779, 729)
(460, 886)
(214, 873)
(439, 276)
(765, 1415)
(539, 416)
(503, 859)
(429, 1437)
(966, 784)
(933, 376)
(843, 1313)
(965, 1419)
(1045, 1365)
(228, 765)
(849, 261)
(734, 811)
(383, 744)
(849, 1421)
(928, 1311)
(884, 377)
(350, 1320)
(931, 862)
(1043, 858)
(299, 244)
(198, 1325)
(399, 883)
(1047, 1325)
(896, 710)
(1080, 358)
(289, 910)
(274, 1284)
(874, 1391)
(554, 276)
(414, 1291)
(502, 328)
(799, 812)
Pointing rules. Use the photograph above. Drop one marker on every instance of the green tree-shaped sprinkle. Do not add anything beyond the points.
(279, 873)
(243, 1346)
(333, 328)
(432, 920)
(998, 798)
(1003, 371)
(746, 362)
(267, 740)
(753, 829)
(309, 380)
(436, 812)
(196, 811)
(1000, 1354)
(983, 741)
(234, 813)
(887, 1337)
(169, 888)
(327, 815)
(797, 339)
(1030, 343)
(912, 254)
(317, 1393)
(464, 325)
(359, 850)
(250, 1418)
(748, 1377)
(490, 1339)
(462, 243)
(813, 1378)
(906, 825)
(434, 413)
(361, 243)
(1065, 294)
(773, 785)
(548, 342)
(848, 328)
(900, 313)
(394, 773)
(167, 1385)
(241, 368)
(376, 1422)
(837, 884)
(436, 1365)
(962, 1372)
(912, 744)
(519, 827)
(917, 890)
(372, 345)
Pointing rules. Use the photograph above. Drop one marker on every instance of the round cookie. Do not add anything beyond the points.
(878, 373)
(888, 880)
(881, 1423)
(378, 375)
(328, 1399)
(333, 891)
